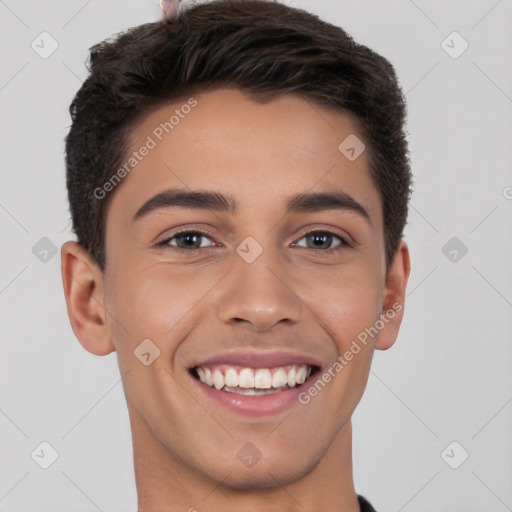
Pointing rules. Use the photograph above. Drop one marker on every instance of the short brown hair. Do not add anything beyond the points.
(263, 48)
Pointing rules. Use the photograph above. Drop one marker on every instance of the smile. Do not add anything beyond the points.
(253, 381)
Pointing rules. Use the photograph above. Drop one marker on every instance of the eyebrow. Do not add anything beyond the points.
(214, 201)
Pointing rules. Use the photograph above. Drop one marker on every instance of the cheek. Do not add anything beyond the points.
(150, 303)
(347, 308)
(346, 301)
(153, 302)
(348, 311)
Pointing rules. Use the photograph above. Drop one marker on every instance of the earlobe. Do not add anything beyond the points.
(393, 301)
(83, 290)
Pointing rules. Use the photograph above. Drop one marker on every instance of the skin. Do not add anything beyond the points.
(194, 304)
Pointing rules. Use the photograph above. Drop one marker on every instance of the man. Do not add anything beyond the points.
(239, 180)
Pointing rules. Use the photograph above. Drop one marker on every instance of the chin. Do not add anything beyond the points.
(265, 474)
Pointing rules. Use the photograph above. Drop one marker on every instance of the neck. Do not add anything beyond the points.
(166, 484)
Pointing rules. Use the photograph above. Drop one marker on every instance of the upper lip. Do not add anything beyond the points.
(255, 359)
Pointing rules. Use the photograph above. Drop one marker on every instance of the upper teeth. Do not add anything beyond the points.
(229, 377)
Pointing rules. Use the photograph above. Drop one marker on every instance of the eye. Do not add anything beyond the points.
(187, 240)
(322, 240)
(193, 240)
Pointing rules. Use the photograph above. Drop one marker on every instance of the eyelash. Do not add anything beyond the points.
(165, 243)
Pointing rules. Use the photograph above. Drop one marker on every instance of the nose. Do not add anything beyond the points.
(258, 294)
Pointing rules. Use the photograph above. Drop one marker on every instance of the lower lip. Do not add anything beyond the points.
(252, 405)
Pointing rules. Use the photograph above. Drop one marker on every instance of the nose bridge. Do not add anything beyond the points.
(258, 291)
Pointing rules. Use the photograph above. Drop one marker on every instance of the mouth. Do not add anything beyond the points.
(250, 381)
(254, 384)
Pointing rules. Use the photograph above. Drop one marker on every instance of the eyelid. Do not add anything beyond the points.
(344, 237)
(342, 242)
(163, 241)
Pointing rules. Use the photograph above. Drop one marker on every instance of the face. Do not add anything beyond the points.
(249, 250)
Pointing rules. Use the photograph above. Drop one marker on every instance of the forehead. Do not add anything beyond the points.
(258, 153)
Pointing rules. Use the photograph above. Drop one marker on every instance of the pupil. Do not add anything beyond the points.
(321, 239)
(190, 239)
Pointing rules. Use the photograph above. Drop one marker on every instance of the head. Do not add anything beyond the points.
(290, 127)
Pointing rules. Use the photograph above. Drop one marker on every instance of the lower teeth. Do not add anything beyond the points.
(251, 392)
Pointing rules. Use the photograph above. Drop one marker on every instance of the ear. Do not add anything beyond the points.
(393, 300)
(83, 289)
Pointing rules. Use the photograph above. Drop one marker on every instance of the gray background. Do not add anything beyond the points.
(448, 378)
